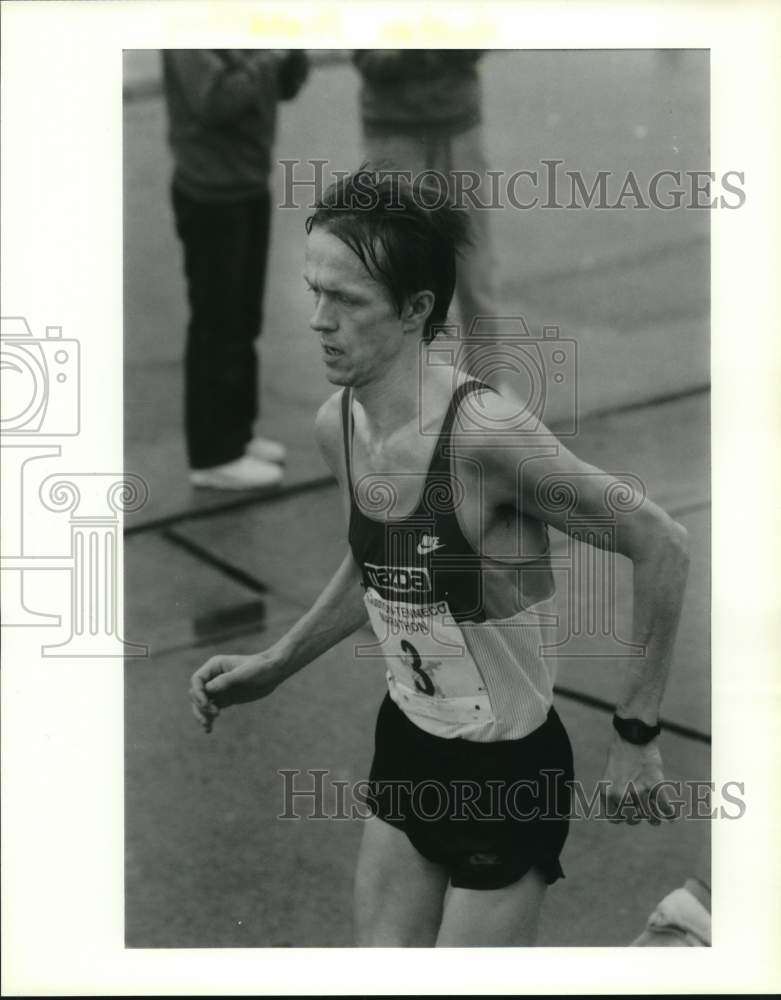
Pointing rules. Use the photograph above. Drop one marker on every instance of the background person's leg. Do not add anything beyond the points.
(476, 292)
(398, 892)
(489, 918)
(254, 273)
(401, 151)
(220, 359)
(248, 400)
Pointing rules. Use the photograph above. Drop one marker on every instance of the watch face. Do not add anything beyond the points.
(635, 731)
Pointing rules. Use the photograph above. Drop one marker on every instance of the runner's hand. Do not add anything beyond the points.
(230, 680)
(632, 775)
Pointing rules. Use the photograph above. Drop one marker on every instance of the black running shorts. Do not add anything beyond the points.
(487, 812)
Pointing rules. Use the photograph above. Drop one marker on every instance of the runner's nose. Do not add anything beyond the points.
(324, 317)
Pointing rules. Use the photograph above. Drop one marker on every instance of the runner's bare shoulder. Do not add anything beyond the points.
(328, 434)
(492, 418)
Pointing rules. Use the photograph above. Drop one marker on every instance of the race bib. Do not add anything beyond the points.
(430, 672)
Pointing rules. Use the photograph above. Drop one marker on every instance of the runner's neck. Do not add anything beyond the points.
(391, 404)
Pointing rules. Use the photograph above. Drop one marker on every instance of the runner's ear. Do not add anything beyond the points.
(417, 310)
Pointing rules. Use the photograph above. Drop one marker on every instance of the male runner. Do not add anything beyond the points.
(448, 557)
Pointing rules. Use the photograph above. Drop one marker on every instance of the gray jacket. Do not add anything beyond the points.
(416, 91)
(222, 109)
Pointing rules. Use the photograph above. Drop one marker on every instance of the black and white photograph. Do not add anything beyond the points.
(382, 430)
(417, 371)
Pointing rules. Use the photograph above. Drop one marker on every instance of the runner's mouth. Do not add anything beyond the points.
(330, 351)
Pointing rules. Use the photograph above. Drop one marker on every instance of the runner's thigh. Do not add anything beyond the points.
(398, 892)
(493, 917)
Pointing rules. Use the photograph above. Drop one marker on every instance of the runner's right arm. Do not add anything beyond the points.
(339, 610)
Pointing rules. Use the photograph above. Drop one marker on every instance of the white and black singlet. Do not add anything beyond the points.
(463, 655)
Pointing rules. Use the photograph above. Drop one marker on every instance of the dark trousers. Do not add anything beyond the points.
(225, 252)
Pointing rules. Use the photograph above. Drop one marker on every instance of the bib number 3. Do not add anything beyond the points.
(423, 682)
(430, 672)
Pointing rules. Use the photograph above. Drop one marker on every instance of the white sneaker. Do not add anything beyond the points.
(266, 451)
(679, 920)
(246, 473)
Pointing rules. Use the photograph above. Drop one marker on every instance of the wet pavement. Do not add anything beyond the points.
(209, 865)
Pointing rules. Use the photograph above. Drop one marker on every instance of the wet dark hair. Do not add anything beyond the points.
(404, 230)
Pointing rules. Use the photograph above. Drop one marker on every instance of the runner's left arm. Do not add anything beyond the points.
(642, 531)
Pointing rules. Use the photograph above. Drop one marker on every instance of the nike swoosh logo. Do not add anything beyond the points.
(425, 549)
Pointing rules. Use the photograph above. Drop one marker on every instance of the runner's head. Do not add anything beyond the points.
(405, 233)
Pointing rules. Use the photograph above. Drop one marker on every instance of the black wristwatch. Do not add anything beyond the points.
(635, 731)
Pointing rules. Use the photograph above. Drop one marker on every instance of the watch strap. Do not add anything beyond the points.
(635, 730)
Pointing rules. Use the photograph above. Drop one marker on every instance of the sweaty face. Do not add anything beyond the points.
(354, 316)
